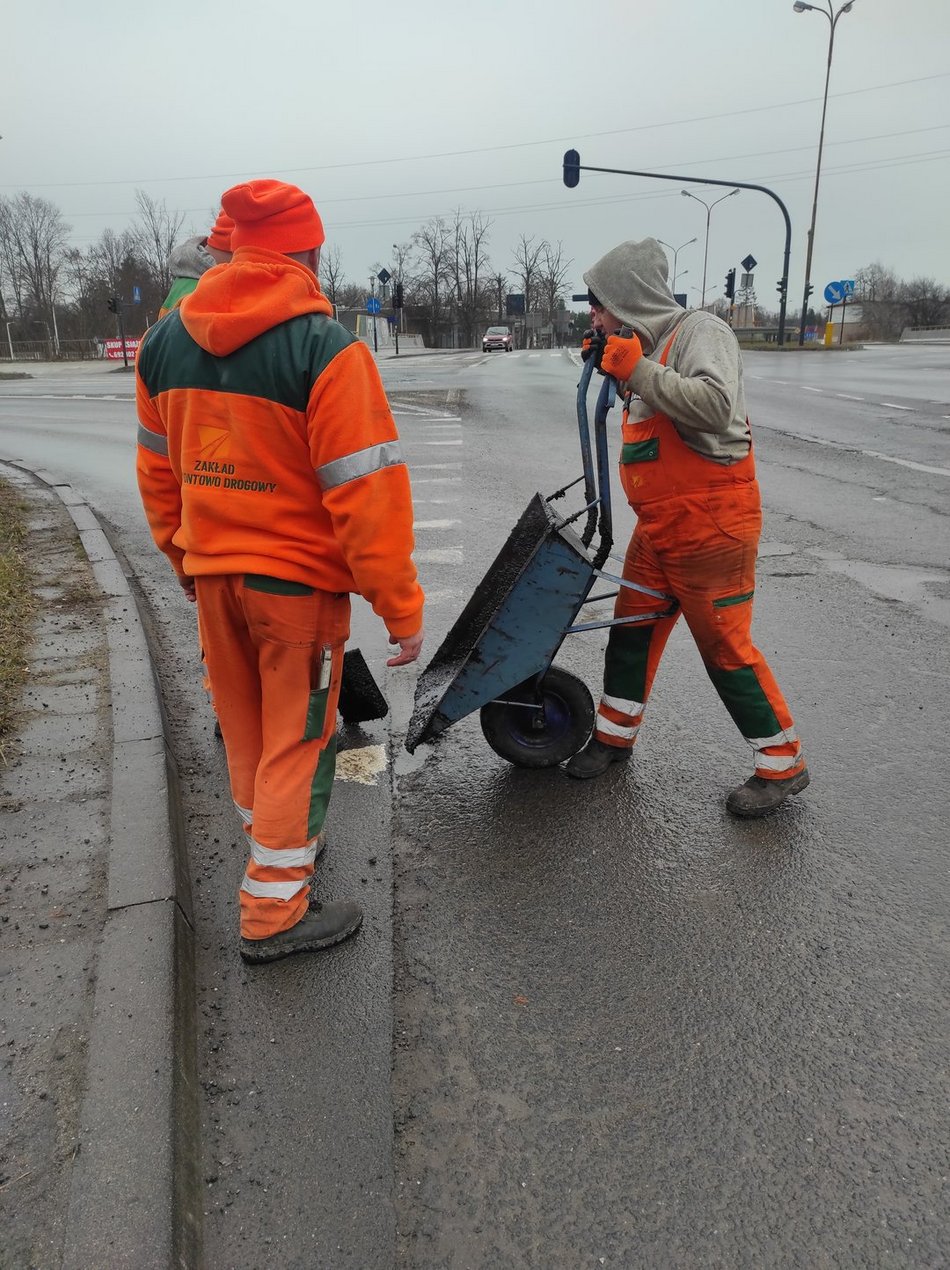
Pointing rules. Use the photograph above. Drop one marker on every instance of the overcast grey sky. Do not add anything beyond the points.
(390, 113)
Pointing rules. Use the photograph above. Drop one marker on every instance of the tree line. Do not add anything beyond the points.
(56, 295)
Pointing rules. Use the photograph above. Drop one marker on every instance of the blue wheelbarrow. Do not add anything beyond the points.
(498, 656)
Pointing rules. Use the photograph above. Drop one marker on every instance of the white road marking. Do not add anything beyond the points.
(805, 388)
(892, 405)
(435, 524)
(450, 555)
(436, 467)
(847, 396)
(445, 442)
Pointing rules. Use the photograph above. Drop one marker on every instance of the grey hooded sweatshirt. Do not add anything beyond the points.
(189, 259)
(700, 387)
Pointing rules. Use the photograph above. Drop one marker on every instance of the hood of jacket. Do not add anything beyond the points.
(234, 303)
(631, 281)
(190, 259)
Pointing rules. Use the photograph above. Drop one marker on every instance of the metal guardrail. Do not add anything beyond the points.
(925, 335)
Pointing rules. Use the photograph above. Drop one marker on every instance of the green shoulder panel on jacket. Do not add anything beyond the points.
(280, 365)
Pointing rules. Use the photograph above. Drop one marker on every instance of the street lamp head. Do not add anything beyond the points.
(799, 6)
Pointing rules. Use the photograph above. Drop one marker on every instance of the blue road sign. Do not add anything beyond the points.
(834, 292)
(848, 284)
(136, 295)
(373, 305)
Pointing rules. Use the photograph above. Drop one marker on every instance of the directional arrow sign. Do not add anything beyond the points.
(834, 292)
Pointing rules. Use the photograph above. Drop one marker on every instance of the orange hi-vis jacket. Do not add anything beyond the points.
(266, 444)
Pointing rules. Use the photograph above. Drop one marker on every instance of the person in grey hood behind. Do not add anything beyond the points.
(688, 471)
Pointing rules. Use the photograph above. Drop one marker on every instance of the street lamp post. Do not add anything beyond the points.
(708, 207)
(800, 7)
(676, 251)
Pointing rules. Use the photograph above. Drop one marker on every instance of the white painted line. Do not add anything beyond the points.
(848, 397)
(805, 388)
(435, 502)
(436, 480)
(436, 467)
(435, 524)
(892, 405)
(451, 555)
(458, 442)
(916, 467)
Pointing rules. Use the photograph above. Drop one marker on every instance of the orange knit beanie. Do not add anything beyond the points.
(272, 215)
(220, 236)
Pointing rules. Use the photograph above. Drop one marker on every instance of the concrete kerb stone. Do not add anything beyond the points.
(134, 1188)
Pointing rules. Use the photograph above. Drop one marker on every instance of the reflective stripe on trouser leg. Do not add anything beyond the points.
(275, 656)
(709, 558)
(634, 651)
(758, 709)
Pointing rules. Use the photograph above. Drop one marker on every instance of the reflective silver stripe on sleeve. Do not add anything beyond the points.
(283, 857)
(153, 440)
(352, 466)
(273, 890)
(245, 813)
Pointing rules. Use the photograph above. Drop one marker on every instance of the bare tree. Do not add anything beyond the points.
(553, 274)
(331, 273)
(470, 263)
(155, 237)
(528, 257)
(433, 245)
(926, 302)
(33, 238)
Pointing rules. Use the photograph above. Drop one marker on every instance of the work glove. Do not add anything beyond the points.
(621, 356)
(591, 345)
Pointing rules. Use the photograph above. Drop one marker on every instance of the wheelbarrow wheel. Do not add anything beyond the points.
(540, 737)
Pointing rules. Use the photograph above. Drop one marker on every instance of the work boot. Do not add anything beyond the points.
(595, 758)
(321, 926)
(757, 797)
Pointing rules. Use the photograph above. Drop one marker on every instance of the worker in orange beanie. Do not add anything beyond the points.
(218, 245)
(271, 475)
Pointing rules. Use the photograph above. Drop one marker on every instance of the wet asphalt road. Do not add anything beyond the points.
(601, 1024)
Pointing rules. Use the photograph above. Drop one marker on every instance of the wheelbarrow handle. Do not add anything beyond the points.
(587, 459)
(605, 402)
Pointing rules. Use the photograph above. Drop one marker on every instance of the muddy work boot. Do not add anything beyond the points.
(757, 797)
(595, 758)
(321, 926)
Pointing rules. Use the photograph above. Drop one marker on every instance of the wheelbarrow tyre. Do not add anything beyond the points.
(568, 721)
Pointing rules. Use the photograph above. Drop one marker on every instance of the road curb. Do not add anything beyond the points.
(133, 1191)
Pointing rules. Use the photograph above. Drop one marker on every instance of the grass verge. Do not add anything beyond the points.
(17, 604)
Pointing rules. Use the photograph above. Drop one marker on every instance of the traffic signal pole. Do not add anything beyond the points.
(573, 168)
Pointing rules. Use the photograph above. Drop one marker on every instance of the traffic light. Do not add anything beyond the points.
(808, 290)
(572, 169)
(781, 287)
(397, 295)
(731, 285)
(113, 304)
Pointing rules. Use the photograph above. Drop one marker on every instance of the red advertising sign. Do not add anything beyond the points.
(114, 349)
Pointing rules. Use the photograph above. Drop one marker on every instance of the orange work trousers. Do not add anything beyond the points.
(701, 549)
(274, 655)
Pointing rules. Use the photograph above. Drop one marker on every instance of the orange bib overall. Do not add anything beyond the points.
(696, 538)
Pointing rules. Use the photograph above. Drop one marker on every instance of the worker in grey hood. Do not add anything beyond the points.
(186, 263)
(687, 468)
